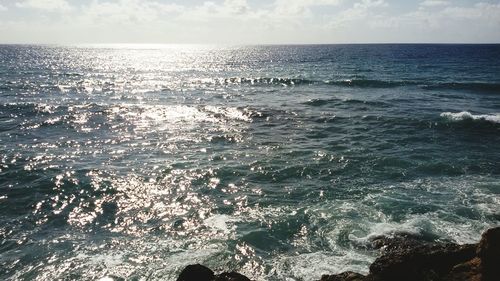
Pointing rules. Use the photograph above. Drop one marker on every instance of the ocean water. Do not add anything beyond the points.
(280, 162)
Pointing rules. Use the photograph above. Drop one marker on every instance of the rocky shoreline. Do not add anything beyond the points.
(405, 257)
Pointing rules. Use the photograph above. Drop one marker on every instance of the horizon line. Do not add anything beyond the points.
(249, 44)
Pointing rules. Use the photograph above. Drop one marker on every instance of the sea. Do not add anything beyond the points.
(281, 162)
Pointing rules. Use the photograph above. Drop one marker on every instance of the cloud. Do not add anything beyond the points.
(360, 11)
(126, 12)
(3, 8)
(137, 12)
(236, 6)
(251, 21)
(47, 5)
(456, 24)
(479, 14)
(365, 4)
(485, 12)
(434, 3)
(230, 9)
(300, 8)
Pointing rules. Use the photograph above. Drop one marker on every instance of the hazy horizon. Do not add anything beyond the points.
(146, 45)
(249, 22)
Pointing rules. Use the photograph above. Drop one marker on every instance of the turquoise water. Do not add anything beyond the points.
(280, 162)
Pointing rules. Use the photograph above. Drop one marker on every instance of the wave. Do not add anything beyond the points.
(351, 83)
(368, 83)
(286, 81)
(319, 102)
(473, 86)
(322, 102)
(257, 81)
(269, 81)
(467, 116)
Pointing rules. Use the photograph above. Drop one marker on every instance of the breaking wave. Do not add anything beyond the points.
(354, 83)
(467, 116)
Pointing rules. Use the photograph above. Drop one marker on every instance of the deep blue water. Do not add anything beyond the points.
(275, 161)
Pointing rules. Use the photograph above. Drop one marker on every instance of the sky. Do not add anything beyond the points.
(249, 21)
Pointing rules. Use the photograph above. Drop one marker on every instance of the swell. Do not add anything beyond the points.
(370, 83)
(32, 115)
(335, 101)
(259, 81)
(286, 81)
(353, 83)
(493, 87)
(473, 86)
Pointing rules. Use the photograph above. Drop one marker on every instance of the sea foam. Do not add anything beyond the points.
(465, 115)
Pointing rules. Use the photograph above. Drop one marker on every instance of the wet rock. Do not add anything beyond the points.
(406, 257)
(413, 258)
(398, 242)
(111, 278)
(231, 276)
(488, 251)
(345, 276)
(196, 272)
(467, 271)
(417, 262)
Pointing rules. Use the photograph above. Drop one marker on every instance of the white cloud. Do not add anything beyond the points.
(365, 4)
(458, 24)
(483, 11)
(300, 7)
(48, 5)
(434, 3)
(126, 12)
(245, 21)
(360, 11)
(3, 8)
(479, 14)
(236, 6)
(136, 12)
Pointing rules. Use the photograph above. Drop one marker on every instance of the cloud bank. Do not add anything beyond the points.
(247, 21)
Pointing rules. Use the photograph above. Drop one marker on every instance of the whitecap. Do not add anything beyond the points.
(311, 266)
(465, 115)
(220, 223)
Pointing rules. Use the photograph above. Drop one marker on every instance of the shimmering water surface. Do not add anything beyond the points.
(280, 162)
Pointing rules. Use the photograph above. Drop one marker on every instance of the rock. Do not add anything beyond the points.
(196, 272)
(345, 276)
(468, 271)
(231, 276)
(111, 278)
(427, 261)
(398, 242)
(488, 251)
(405, 257)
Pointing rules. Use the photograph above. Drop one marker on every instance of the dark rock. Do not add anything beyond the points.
(196, 272)
(405, 257)
(113, 278)
(231, 276)
(488, 251)
(401, 241)
(345, 276)
(427, 261)
(408, 258)
(467, 271)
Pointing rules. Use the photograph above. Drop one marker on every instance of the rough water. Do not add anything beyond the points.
(280, 162)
